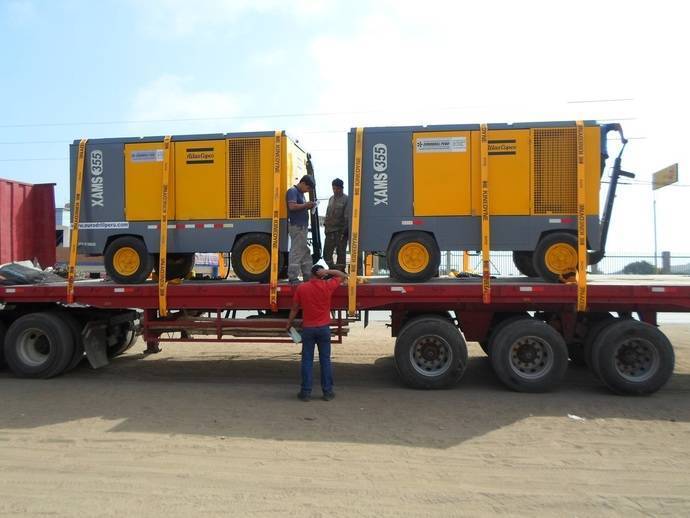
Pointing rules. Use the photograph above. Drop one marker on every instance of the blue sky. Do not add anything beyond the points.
(121, 68)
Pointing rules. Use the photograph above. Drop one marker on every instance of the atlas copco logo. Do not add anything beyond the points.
(96, 189)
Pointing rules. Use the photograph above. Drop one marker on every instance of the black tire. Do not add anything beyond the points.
(426, 270)
(145, 260)
(3, 332)
(528, 355)
(539, 259)
(596, 326)
(500, 320)
(178, 267)
(123, 342)
(523, 260)
(76, 328)
(430, 353)
(633, 358)
(39, 345)
(243, 269)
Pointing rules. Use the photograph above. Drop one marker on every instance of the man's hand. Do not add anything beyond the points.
(288, 325)
(310, 204)
(335, 273)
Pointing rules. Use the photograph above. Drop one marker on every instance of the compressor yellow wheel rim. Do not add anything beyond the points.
(413, 257)
(126, 261)
(256, 259)
(561, 258)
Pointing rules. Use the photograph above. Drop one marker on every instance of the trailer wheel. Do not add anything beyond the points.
(413, 257)
(39, 345)
(179, 265)
(3, 332)
(76, 328)
(598, 324)
(127, 260)
(633, 357)
(251, 257)
(430, 353)
(524, 262)
(500, 320)
(555, 256)
(528, 355)
(124, 341)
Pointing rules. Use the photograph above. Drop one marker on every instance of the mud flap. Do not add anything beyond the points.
(95, 344)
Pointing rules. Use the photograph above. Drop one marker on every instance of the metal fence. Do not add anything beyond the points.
(502, 264)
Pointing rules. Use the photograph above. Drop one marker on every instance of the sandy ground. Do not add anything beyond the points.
(217, 430)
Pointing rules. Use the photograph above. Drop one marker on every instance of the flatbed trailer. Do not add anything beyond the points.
(529, 329)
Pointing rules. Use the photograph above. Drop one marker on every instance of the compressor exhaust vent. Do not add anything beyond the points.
(244, 178)
(554, 169)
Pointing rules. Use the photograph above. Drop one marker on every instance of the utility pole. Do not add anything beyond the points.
(666, 176)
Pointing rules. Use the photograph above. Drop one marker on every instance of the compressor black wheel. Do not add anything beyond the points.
(251, 257)
(555, 256)
(413, 257)
(524, 262)
(179, 265)
(127, 260)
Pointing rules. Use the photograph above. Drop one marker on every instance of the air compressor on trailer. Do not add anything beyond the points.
(220, 199)
(422, 191)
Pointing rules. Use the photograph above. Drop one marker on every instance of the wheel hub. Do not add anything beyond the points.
(561, 258)
(126, 261)
(33, 347)
(531, 357)
(413, 257)
(636, 360)
(431, 355)
(256, 259)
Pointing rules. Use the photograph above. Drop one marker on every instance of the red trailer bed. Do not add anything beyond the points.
(529, 329)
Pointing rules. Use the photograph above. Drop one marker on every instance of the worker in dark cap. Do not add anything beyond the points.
(337, 226)
(299, 258)
(314, 297)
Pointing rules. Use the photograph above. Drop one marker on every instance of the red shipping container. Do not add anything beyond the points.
(27, 222)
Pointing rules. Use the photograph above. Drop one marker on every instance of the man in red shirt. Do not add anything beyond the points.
(315, 299)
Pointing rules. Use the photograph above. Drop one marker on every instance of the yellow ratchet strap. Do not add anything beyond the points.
(275, 220)
(581, 220)
(354, 241)
(76, 209)
(163, 252)
(486, 228)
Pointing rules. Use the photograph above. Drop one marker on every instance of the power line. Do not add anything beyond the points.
(252, 117)
(600, 101)
(32, 159)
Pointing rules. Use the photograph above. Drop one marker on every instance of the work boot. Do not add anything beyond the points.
(304, 396)
(328, 396)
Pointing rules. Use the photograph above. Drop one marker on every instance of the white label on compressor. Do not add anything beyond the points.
(148, 155)
(107, 225)
(441, 145)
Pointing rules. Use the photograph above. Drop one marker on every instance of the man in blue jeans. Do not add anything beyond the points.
(314, 297)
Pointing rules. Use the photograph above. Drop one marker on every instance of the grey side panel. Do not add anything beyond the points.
(102, 201)
(386, 194)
